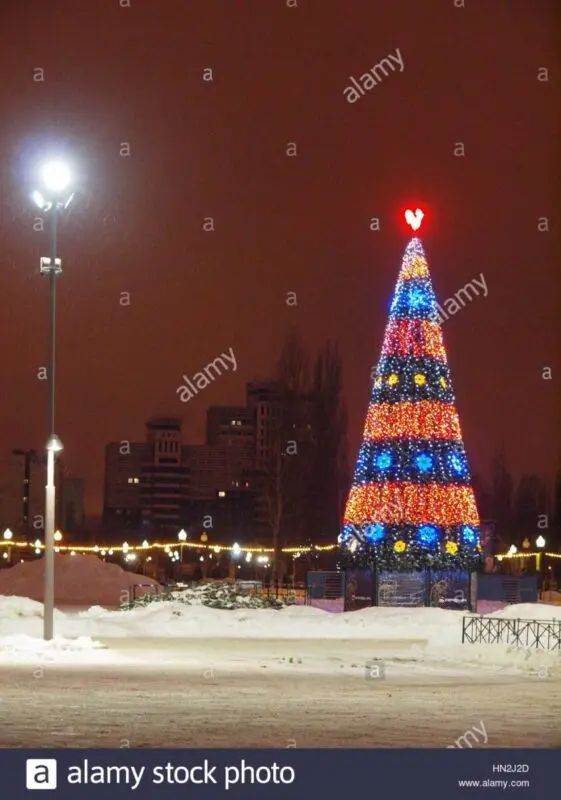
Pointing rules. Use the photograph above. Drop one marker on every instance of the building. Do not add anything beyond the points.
(72, 511)
(122, 505)
(264, 403)
(146, 482)
(22, 500)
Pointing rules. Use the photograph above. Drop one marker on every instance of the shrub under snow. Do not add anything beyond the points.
(226, 596)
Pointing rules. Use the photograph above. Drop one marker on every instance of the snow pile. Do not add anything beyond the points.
(80, 580)
(539, 611)
(223, 595)
(31, 649)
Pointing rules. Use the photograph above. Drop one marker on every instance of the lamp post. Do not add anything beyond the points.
(182, 536)
(55, 179)
(540, 544)
(8, 536)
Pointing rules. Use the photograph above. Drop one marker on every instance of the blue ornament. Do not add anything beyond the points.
(469, 535)
(457, 463)
(418, 298)
(428, 534)
(424, 462)
(384, 460)
(347, 533)
(375, 532)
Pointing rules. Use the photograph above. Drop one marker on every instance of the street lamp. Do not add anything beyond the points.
(8, 536)
(182, 536)
(53, 198)
(540, 543)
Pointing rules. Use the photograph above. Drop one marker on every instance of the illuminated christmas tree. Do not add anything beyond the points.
(412, 505)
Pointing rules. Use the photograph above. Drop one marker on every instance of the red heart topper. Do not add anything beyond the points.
(414, 219)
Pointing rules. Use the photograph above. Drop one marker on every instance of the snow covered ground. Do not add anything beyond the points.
(175, 675)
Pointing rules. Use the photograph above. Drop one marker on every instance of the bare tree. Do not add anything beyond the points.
(330, 473)
(287, 434)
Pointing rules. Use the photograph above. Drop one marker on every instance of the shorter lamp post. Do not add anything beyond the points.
(236, 553)
(8, 536)
(540, 544)
(182, 536)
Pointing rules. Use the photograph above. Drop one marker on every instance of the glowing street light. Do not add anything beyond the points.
(56, 176)
(540, 541)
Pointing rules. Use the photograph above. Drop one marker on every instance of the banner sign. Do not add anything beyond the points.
(275, 774)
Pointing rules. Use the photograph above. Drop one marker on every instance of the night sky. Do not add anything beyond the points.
(199, 149)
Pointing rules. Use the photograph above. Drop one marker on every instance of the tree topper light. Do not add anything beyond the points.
(414, 219)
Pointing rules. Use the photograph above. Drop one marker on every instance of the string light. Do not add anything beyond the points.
(166, 547)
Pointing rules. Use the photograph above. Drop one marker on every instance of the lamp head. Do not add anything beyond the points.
(54, 443)
(56, 176)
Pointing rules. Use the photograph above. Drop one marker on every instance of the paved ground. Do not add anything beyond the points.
(233, 693)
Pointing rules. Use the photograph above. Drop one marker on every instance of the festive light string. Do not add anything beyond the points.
(422, 420)
(412, 503)
(414, 337)
(216, 548)
(527, 555)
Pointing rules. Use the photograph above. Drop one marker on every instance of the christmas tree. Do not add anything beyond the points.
(411, 505)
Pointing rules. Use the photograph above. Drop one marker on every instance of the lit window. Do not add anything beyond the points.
(221, 494)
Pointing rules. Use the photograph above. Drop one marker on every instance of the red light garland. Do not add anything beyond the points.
(414, 338)
(426, 419)
(410, 503)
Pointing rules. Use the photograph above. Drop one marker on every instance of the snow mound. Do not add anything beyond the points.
(80, 580)
(20, 647)
(538, 611)
(20, 607)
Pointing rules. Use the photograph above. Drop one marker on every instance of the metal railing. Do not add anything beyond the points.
(528, 633)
